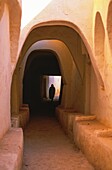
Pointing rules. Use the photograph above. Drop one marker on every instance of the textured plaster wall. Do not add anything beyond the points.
(14, 22)
(5, 73)
(67, 11)
(9, 35)
(11, 140)
(101, 99)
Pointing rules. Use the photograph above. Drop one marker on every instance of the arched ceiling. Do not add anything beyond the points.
(44, 61)
(62, 33)
(60, 50)
(65, 34)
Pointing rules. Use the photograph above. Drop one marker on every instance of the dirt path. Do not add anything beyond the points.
(46, 147)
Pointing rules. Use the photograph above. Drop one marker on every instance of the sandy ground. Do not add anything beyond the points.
(46, 147)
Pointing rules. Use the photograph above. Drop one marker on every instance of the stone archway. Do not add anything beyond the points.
(18, 74)
(39, 63)
(71, 39)
(26, 32)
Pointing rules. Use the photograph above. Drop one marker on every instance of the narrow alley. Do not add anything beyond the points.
(46, 147)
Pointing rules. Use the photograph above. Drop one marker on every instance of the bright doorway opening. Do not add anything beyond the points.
(47, 80)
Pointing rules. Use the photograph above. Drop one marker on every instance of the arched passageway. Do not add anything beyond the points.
(70, 62)
(74, 64)
(39, 63)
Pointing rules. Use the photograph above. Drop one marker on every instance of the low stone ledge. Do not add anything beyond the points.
(85, 117)
(93, 138)
(104, 133)
(71, 117)
(25, 105)
(15, 121)
(66, 118)
(95, 141)
(22, 118)
(11, 150)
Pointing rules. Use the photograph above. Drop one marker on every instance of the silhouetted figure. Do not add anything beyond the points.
(51, 92)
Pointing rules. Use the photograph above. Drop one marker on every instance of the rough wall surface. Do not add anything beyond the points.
(8, 40)
(5, 73)
(11, 140)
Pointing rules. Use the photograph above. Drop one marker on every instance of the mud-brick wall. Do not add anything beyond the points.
(5, 72)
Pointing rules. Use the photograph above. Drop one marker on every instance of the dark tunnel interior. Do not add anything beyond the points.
(39, 63)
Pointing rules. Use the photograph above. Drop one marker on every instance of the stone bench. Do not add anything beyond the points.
(66, 117)
(95, 141)
(92, 137)
(11, 150)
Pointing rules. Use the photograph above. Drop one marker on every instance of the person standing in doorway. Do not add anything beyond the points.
(51, 92)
